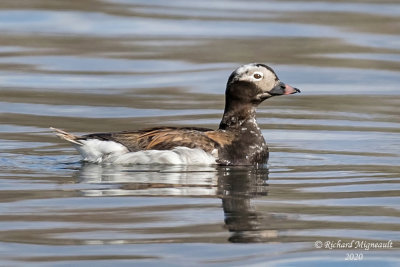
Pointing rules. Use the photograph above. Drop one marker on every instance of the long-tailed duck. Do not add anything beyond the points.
(237, 141)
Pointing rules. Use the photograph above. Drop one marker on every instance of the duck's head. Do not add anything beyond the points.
(253, 83)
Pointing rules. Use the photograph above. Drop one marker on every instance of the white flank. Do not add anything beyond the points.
(98, 151)
(94, 150)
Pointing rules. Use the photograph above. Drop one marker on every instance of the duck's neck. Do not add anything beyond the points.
(248, 146)
(237, 116)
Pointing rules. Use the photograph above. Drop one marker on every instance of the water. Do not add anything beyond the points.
(94, 66)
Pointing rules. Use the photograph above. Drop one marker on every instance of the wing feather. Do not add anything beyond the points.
(168, 138)
(162, 138)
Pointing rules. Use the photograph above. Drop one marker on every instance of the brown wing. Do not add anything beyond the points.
(222, 138)
(168, 138)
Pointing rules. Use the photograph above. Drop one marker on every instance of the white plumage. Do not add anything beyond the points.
(97, 151)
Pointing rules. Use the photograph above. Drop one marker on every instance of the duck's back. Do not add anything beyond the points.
(165, 138)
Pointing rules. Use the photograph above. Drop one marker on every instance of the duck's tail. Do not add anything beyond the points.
(67, 136)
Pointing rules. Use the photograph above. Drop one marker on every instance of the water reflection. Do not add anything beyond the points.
(236, 186)
(241, 219)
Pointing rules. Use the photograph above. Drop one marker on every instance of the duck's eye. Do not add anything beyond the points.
(257, 76)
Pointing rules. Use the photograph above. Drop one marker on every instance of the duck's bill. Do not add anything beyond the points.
(289, 90)
(283, 89)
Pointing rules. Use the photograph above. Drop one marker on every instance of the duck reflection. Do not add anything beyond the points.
(150, 180)
(236, 186)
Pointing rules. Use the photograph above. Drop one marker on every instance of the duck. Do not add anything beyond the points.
(237, 141)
